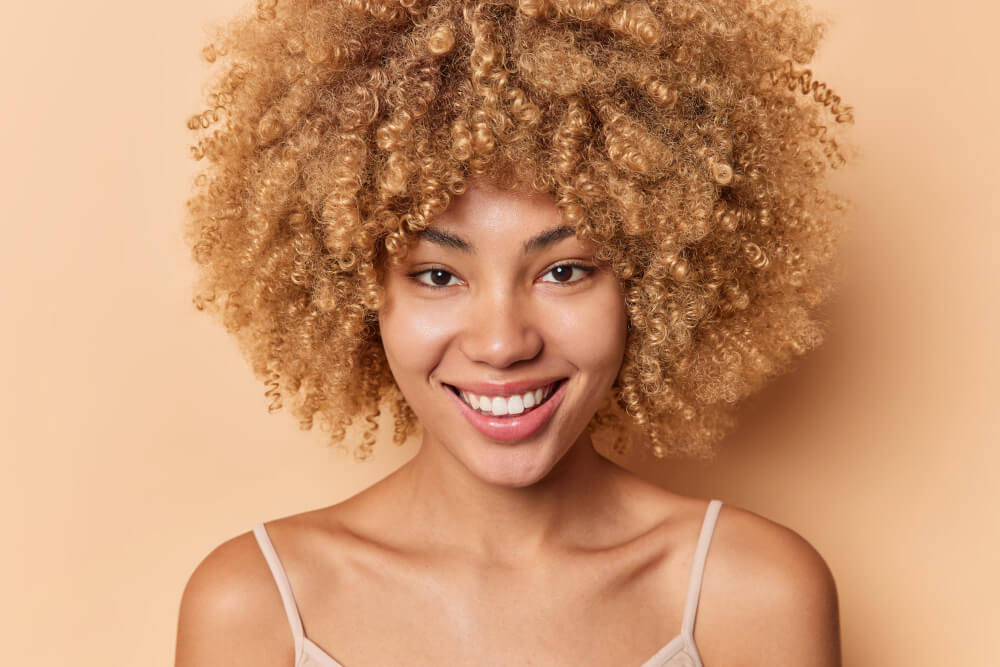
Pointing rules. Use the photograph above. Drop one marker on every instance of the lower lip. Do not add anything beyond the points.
(512, 429)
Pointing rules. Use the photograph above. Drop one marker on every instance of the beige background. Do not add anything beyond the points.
(135, 439)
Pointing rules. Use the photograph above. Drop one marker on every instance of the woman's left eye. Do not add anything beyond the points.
(568, 273)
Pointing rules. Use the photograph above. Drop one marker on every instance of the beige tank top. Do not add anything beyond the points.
(678, 652)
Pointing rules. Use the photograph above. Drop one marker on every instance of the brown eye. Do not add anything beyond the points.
(434, 278)
(562, 273)
(439, 277)
(568, 273)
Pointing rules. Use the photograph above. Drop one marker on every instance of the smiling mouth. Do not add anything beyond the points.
(507, 406)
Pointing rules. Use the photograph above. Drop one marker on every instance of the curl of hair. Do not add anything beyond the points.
(683, 137)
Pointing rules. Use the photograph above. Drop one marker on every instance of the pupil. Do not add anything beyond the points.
(439, 277)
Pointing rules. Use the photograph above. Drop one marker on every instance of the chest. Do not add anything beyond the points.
(618, 613)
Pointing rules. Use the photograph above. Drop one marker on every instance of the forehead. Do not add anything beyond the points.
(484, 209)
(494, 222)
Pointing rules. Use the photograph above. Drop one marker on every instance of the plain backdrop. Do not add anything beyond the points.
(135, 439)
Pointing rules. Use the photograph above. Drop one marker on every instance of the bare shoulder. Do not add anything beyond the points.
(231, 611)
(768, 597)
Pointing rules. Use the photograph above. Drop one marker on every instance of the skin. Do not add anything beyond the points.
(541, 551)
(504, 314)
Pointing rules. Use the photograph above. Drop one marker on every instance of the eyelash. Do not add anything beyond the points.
(587, 270)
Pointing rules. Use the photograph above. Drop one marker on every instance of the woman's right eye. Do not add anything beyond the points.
(435, 278)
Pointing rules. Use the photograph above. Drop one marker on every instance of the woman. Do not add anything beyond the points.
(516, 225)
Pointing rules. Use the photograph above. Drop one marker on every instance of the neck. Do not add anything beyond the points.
(453, 508)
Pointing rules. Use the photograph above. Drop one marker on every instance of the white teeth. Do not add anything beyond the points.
(499, 406)
(512, 405)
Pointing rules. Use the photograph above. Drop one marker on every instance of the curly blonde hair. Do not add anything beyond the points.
(684, 138)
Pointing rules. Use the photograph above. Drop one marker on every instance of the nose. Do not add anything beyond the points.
(500, 331)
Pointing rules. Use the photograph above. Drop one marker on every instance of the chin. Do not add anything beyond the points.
(509, 466)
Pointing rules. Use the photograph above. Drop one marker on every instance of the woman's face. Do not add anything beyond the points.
(503, 333)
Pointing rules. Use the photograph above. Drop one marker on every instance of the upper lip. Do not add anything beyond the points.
(504, 388)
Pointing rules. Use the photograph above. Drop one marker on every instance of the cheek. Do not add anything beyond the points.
(415, 335)
(591, 332)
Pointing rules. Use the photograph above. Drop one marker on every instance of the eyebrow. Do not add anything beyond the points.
(534, 244)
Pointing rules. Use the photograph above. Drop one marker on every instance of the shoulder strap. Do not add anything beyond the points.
(698, 567)
(281, 579)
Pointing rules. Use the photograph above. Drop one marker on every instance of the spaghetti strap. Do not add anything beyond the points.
(281, 579)
(698, 568)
